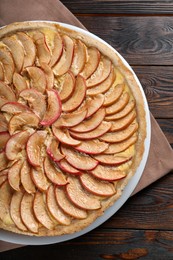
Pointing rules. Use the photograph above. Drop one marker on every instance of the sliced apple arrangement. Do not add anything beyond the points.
(68, 130)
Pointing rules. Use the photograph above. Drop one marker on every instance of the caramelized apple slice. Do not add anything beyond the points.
(67, 206)
(14, 175)
(14, 108)
(97, 132)
(16, 144)
(26, 180)
(48, 74)
(53, 108)
(4, 137)
(122, 146)
(5, 199)
(54, 209)
(6, 92)
(123, 122)
(37, 78)
(1, 72)
(3, 161)
(97, 187)
(19, 82)
(64, 137)
(119, 136)
(41, 211)
(56, 50)
(53, 150)
(22, 121)
(103, 86)
(113, 94)
(29, 49)
(123, 112)
(15, 210)
(27, 213)
(80, 197)
(92, 147)
(107, 173)
(53, 173)
(67, 88)
(65, 166)
(112, 159)
(43, 52)
(3, 177)
(79, 57)
(91, 123)
(93, 104)
(77, 97)
(3, 123)
(64, 63)
(35, 100)
(119, 105)
(34, 146)
(91, 63)
(39, 178)
(78, 160)
(16, 50)
(8, 64)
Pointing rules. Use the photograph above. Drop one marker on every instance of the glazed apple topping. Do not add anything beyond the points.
(68, 129)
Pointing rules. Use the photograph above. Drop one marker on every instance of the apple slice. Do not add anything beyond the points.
(43, 52)
(91, 123)
(53, 150)
(8, 64)
(93, 59)
(67, 87)
(79, 196)
(78, 160)
(35, 100)
(97, 187)
(34, 147)
(14, 175)
(64, 137)
(26, 180)
(3, 123)
(37, 78)
(79, 57)
(67, 206)
(5, 199)
(123, 122)
(77, 97)
(107, 173)
(123, 112)
(118, 105)
(56, 50)
(93, 104)
(4, 137)
(3, 161)
(64, 63)
(119, 136)
(27, 214)
(16, 144)
(19, 82)
(39, 178)
(1, 72)
(103, 86)
(17, 51)
(41, 211)
(6, 92)
(53, 108)
(97, 132)
(92, 147)
(29, 49)
(112, 159)
(22, 121)
(66, 167)
(113, 94)
(48, 74)
(15, 210)
(3, 177)
(122, 146)
(54, 209)
(53, 173)
(14, 108)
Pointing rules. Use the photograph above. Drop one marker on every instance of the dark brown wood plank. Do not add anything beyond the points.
(141, 40)
(120, 7)
(167, 127)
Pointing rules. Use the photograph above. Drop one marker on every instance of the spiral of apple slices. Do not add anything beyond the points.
(68, 130)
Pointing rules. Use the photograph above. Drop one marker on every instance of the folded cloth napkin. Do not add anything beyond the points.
(160, 160)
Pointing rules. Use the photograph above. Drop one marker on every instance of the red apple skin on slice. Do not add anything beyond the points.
(91, 63)
(53, 173)
(79, 196)
(53, 150)
(66, 167)
(92, 147)
(39, 178)
(107, 173)
(16, 144)
(67, 87)
(27, 213)
(15, 210)
(14, 175)
(14, 108)
(6, 92)
(48, 74)
(19, 82)
(8, 64)
(54, 108)
(54, 209)
(111, 159)
(4, 137)
(5, 199)
(78, 160)
(3, 161)
(56, 50)
(37, 78)
(64, 63)
(64, 137)
(67, 206)
(26, 180)
(77, 97)
(41, 211)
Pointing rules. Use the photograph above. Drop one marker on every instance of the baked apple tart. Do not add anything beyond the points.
(72, 128)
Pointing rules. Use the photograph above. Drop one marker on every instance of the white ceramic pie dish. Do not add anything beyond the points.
(29, 240)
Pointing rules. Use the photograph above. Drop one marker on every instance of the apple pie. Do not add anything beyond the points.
(72, 128)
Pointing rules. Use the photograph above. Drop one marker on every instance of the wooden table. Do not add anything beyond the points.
(143, 227)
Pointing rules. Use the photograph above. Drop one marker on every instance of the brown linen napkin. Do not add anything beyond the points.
(160, 160)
